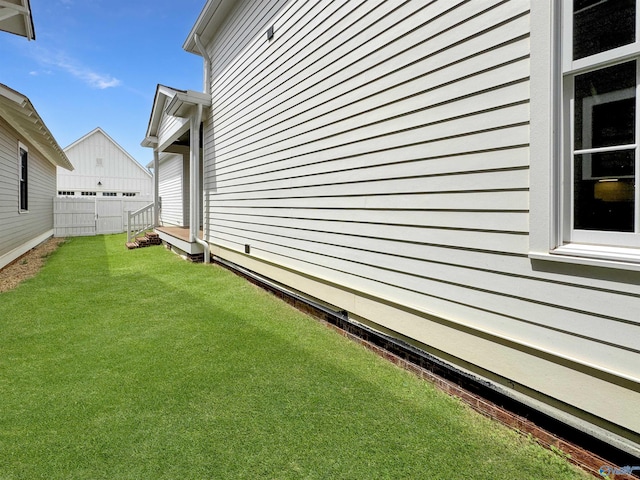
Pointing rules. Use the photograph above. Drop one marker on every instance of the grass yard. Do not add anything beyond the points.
(119, 364)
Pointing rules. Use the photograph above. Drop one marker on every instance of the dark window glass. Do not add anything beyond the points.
(24, 171)
(605, 107)
(600, 25)
(604, 191)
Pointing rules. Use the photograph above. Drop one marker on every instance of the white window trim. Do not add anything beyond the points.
(22, 146)
(546, 235)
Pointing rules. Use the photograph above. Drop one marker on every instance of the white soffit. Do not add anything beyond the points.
(15, 17)
(174, 103)
(17, 111)
(180, 105)
(210, 19)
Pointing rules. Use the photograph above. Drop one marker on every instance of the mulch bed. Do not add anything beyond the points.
(28, 265)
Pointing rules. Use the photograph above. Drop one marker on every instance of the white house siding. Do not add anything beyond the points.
(19, 230)
(172, 190)
(117, 173)
(374, 154)
(170, 129)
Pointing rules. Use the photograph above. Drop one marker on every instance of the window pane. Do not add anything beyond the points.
(604, 196)
(605, 108)
(600, 25)
(24, 193)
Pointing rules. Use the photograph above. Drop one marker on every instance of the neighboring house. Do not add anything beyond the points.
(29, 156)
(15, 17)
(460, 175)
(103, 169)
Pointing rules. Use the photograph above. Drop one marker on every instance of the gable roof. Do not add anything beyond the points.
(163, 93)
(19, 112)
(210, 19)
(174, 102)
(15, 17)
(100, 130)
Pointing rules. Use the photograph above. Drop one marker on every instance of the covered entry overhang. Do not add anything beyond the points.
(175, 126)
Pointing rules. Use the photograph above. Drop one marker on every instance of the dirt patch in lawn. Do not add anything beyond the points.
(28, 265)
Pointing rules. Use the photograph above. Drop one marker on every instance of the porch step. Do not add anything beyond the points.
(154, 238)
(142, 242)
(150, 238)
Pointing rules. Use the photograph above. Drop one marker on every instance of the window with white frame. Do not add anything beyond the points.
(23, 168)
(600, 148)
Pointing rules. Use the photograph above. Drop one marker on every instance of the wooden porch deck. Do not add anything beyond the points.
(178, 238)
(181, 233)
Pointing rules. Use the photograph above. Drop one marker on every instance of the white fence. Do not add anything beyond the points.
(83, 217)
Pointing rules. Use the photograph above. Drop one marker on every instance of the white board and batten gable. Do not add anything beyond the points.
(103, 169)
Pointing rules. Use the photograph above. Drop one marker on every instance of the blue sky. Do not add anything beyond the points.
(96, 63)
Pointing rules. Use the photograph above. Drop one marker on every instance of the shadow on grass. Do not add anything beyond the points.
(145, 366)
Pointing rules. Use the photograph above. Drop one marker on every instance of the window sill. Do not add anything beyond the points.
(620, 258)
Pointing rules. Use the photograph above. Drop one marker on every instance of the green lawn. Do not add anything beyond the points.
(122, 364)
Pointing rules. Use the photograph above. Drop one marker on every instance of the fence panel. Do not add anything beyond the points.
(109, 215)
(80, 217)
(74, 217)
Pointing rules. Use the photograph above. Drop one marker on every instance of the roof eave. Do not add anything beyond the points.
(209, 20)
(20, 113)
(23, 27)
(159, 100)
(180, 105)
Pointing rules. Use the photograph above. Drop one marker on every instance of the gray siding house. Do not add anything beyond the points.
(460, 175)
(29, 156)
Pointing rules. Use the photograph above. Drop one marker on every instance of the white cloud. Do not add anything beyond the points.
(87, 75)
(91, 77)
(36, 73)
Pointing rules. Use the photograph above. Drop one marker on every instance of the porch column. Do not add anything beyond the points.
(156, 188)
(194, 214)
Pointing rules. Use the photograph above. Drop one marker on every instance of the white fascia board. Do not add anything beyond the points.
(209, 20)
(22, 26)
(83, 138)
(16, 109)
(115, 144)
(181, 103)
(14, 96)
(159, 101)
(149, 142)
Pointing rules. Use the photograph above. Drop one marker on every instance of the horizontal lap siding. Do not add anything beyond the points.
(171, 190)
(170, 128)
(9, 217)
(19, 228)
(383, 147)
